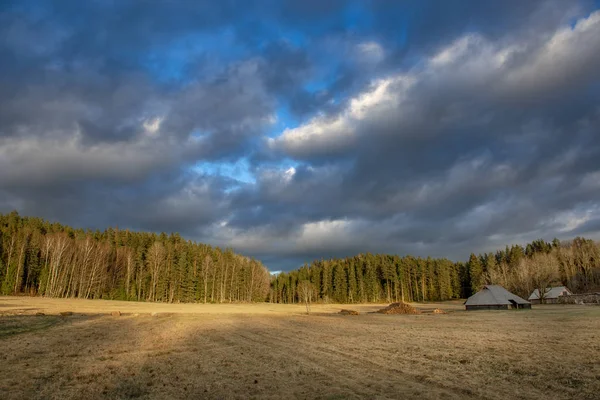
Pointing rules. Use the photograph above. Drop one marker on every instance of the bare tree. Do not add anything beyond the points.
(24, 244)
(129, 264)
(544, 272)
(305, 292)
(58, 256)
(156, 259)
(10, 252)
(206, 266)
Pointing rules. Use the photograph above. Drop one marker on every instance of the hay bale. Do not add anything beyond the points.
(399, 308)
(349, 312)
(438, 311)
(116, 313)
(66, 313)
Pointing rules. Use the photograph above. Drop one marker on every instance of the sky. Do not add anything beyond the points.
(297, 130)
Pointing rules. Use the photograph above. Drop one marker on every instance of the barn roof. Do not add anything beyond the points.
(551, 293)
(494, 295)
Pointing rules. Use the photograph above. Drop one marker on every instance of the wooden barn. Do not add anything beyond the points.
(552, 295)
(494, 297)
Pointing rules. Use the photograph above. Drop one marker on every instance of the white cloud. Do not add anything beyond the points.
(570, 54)
(569, 220)
(370, 52)
(152, 126)
(471, 64)
(457, 51)
(338, 132)
(289, 173)
(314, 236)
(319, 233)
(38, 160)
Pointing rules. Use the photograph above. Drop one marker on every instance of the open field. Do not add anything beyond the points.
(276, 351)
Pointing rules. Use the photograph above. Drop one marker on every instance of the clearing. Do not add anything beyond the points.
(276, 351)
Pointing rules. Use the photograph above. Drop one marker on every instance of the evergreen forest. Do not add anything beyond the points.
(387, 278)
(38, 257)
(49, 259)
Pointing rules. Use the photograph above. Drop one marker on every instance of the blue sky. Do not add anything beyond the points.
(295, 130)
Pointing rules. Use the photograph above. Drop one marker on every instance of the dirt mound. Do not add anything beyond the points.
(349, 312)
(438, 311)
(161, 314)
(399, 308)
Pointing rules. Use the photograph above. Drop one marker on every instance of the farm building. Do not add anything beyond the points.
(552, 295)
(494, 297)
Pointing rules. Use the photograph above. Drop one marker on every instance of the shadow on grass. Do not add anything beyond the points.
(17, 324)
(322, 356)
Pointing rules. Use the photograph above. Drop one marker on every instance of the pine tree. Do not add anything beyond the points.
(352, 282)
(475, 273)
(340, 283)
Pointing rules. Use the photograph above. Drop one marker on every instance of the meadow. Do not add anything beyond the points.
(274, 351)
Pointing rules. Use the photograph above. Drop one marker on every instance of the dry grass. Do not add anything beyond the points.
(276, 351)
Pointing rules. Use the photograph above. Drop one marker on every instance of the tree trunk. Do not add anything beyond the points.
(10, 250)
(19, 263)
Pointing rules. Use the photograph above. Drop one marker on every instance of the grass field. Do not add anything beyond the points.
(276, 351)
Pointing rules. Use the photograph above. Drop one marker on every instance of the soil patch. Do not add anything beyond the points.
(399, 308)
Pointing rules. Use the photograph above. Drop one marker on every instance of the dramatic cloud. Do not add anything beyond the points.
(328, 129)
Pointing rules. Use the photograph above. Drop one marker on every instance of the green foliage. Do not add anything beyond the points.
(371, 278)
(381, 277)
(475, 273)
(39, 257)
(8, 279)
(340, 284)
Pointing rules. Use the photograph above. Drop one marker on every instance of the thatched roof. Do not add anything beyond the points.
(492, 295)
(551, 293)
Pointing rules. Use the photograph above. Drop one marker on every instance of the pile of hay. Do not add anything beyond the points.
(349, 312)
(399, 308)
(438, 311)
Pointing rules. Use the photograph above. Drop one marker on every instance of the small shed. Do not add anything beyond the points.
(495, 297)
(552, 295)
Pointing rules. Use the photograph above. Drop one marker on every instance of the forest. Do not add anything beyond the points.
(49, 259)
(387, 278)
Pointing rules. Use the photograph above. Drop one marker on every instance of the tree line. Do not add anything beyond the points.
(49, 259)
(372, 278)
(386, 278)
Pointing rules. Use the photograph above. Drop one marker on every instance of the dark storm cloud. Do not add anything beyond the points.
(464, 163)
(432, 128)
(90, 136)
